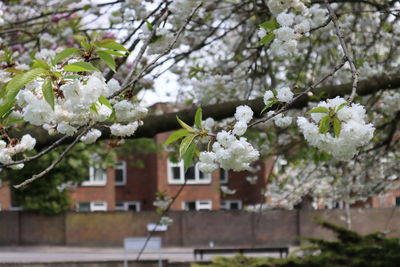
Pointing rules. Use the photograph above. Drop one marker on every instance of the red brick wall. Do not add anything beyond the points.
(96, 193)
(250, 194)
(5, 195)
(141, 183)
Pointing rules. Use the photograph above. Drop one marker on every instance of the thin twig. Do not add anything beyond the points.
(48, 169)
(38, 155)
(143, 48)
(169, 48)
(354, 72)
(312, 87)
(150, 234)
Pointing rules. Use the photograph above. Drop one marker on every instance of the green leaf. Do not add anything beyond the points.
(20, 80)
(188, 157)
(64, 54)
(85, 45)
(266, 107)
(269, 25)
(80, 66)
(176, 136)
(319, 110)
(6, 107)
(337, 126)
(106, 58)
(341, 106)
(111, 44)
(72, 76)
(149, 25)
(184, 125)
(324, 124)
(198, 118)
(40, 64)
(48, 92)
(93, 108)
(114, 53)
(185, 144)
(105, 102)
(267, 39)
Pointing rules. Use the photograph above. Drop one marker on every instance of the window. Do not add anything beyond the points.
(193, 175)
(231, 204)
(91, 206)
(1, 183)
(398, 201)
(223, 176)
(97, 177)
(128, 205)
(0, 207)
(120, 173)
(197, 205)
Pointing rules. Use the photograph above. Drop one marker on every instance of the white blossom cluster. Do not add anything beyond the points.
(78, 106)
(354, 131)
(231, 151)
(7, 151)
(390, 102)
(283, 94)
(295, 20)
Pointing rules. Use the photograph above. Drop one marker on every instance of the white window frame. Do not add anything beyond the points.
(199, 205)
(126, 204)
(197, 180)
(226, 180)
(225, 204)
(124, 172)
(91, 181)
(94, 206)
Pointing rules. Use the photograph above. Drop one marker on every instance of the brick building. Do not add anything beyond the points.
(129, 187)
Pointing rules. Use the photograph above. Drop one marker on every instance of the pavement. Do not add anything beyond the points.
(36, 254)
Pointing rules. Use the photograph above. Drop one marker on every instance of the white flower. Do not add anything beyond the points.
(285, 19)
(124, 130)
(267, 96)
(28, 142)
(91, 136)
(240, 128)
(244, 113)
(208, 124)
(284, 94)
(282, 121)
(285, 34)
(66, 129)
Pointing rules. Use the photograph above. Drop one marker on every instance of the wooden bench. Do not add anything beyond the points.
(202, 251)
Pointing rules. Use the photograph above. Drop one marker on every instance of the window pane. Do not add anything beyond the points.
(234, 206)
(176, 173)
(84, 206)
(223, 176)
(132, 207)
(203, 176)
(397, 201)
(119, 206)
(119, 176)
(190, 175)
(98, 174)
(190, 205)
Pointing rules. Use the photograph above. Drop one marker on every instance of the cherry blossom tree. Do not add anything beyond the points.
(310, 83)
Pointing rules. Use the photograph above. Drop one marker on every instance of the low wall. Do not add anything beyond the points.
(190, 229)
